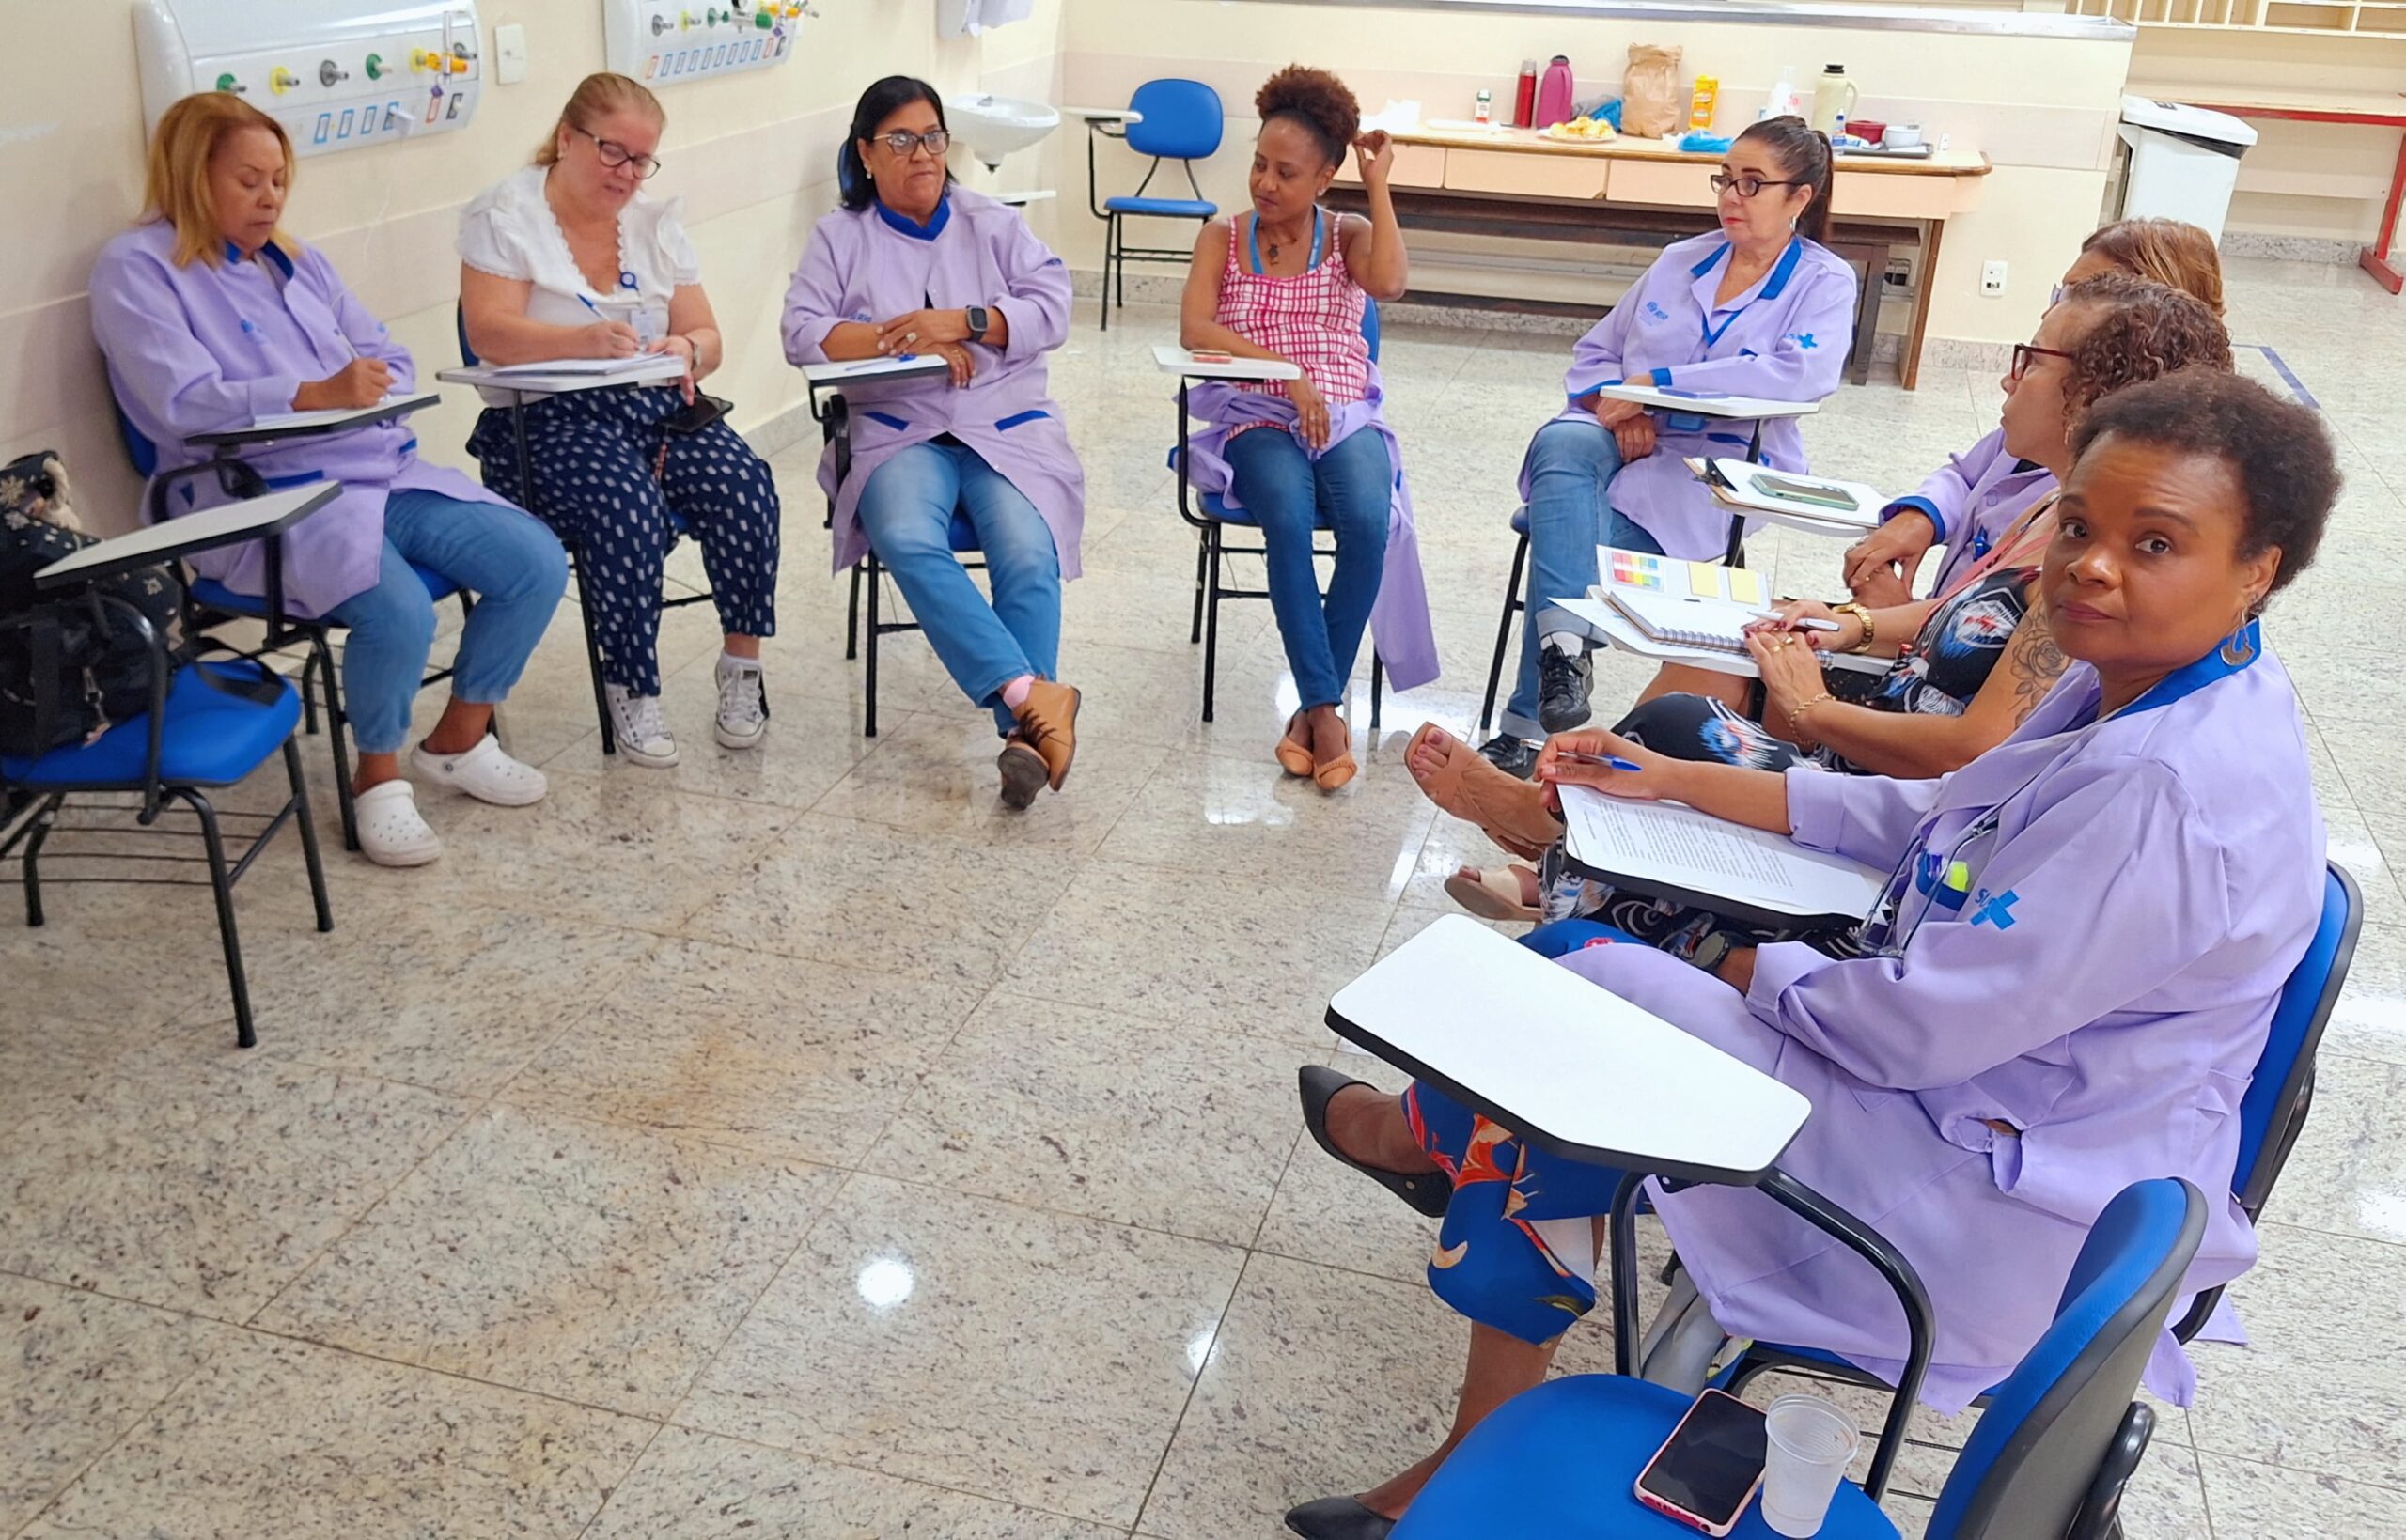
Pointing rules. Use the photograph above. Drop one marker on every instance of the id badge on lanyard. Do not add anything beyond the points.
(1929, 879)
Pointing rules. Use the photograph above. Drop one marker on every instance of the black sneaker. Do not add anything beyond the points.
(1562, 690)
(1515, 757)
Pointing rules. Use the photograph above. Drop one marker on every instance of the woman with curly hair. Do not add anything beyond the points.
(1969, 501)
(1288, 283)
(1969, 665)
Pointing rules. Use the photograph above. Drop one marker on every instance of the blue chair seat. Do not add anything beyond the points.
(1520, 519)
(1162, 208)
(963, 534)
(1575, 1447)
(214, 595)
(212, 738)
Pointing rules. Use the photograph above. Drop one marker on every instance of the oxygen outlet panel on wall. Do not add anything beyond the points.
(664, 42)
(336, 73)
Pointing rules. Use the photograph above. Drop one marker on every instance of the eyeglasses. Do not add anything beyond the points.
(905, 144)
(615, 155)
(2058, 297)
(1747, 186)
(2027, 354)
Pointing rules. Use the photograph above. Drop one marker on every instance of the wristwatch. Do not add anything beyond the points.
(1710, 951)
(1862, 614)
(979, 321)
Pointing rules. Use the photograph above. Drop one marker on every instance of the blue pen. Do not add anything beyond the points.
(1627, 767)
(1692, 395)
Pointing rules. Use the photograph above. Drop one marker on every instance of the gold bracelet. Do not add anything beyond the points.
(1870, 627)
(1796, 712)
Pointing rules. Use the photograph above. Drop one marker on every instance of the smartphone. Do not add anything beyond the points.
(1807, 492)
(705, 411)
(1707, 1470)
(1205, 355)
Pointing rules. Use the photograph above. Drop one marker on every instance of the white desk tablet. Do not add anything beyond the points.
(1708, 403)
(863, 370)
(284, 424)
(1570, 1067)
(228, 523)
(1176, 360)
(533, 380)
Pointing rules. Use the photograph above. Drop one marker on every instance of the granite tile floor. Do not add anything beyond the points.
(801, 1144)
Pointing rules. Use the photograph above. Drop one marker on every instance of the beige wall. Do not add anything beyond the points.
(753, 156)
(2043, 110)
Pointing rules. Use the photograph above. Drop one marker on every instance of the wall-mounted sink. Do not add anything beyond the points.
(993, 126)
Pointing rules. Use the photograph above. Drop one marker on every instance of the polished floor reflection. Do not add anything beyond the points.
(797, 1144)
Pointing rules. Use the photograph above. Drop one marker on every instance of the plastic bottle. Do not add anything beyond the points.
(1485, 111)
(1702, 105)
(1783, 96)
(1834, 99)
(1524, 98)
(1554, 93)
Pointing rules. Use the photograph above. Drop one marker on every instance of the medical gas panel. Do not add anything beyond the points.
(336, 73)
(664, 42)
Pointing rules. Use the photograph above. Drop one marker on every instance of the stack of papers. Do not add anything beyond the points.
(1670, 850)
(597, 366)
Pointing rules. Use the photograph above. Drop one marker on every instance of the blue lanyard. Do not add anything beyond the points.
(1252, 241)
(1774, 282)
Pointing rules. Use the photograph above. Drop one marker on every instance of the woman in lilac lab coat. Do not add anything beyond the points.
(914, 265)
(1759, 308)
(211, 319)
(2065, 990)
(1968, 504)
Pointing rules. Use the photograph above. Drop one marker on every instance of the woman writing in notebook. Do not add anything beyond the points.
(1966, 667)
(2170, 760)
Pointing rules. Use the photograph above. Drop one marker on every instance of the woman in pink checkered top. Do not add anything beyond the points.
(1288, 281)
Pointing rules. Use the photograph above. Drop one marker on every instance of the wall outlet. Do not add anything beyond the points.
(1993, 278)
(509, 43)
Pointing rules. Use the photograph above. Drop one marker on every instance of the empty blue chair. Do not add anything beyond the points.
(1211, 523)
(1181, 122)
(2050, 1456)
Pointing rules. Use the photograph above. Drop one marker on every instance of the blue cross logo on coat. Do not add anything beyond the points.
(1803, 340)
(1997, 910)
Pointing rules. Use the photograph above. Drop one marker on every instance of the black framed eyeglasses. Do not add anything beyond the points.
(904, 145)
(615, 155)
(1747, 186)
(2027, 354)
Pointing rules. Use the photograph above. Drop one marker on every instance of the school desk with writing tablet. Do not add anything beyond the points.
(1671, 851)
(557, 376)
(1570, 1067)
(294, 424)
(1609, 625)
(1171, 359)
(1705, 403)
(227, 523)
(862, 372)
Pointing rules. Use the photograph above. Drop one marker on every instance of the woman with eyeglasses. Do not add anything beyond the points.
(1758, 308)
(570, 259)
(912, 265)
(1968, 502)
(1961, 670)
(2065, 987)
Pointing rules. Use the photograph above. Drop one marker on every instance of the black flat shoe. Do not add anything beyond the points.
(1338, 1518)
(1426, 1191)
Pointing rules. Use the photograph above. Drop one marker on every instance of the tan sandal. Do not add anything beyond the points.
(1293, 757)
(1491, 895)
(1520, 825)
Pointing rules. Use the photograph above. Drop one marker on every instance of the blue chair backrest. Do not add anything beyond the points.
(1371, 327)
(845, 175)
(459, 323)
(139, 450)
(2284, 1074)
(1182, 120)
(2031, 1460)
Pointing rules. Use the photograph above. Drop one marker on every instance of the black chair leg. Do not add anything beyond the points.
(1378, 683)
(1512, 605)
(1202, 555)
(593, 656)
(338, 742)
(308, 697)
(309, 836)
(1211, 621)
(875, 582)
(221, 886)
(34, 842)
(852, 618)
(1110, 242)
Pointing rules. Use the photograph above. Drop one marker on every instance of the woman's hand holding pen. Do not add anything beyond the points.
(1607, 761)
(362, 383)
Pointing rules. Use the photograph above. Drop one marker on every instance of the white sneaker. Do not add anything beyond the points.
(642, 731)
(391, 833)
(485, 772)
(743, 703)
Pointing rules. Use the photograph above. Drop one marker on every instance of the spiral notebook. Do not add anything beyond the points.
(1686, 619)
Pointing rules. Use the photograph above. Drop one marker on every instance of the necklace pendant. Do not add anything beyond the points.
(1273, 251)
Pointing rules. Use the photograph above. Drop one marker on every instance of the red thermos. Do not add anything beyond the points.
(1525, 100)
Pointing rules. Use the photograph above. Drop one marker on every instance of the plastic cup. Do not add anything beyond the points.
(1808, 1444)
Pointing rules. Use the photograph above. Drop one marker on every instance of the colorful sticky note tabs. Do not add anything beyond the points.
(1703, 582)
(1745, 586)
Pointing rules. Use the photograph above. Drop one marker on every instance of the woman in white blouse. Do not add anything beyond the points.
(568, 259)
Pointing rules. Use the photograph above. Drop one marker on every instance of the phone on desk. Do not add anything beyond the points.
(1814, 492)
(705, 411)
(1707, 1470)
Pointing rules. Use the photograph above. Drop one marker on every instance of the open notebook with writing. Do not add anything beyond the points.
(1670, 850)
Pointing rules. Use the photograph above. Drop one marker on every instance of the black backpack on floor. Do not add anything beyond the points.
(72, 665)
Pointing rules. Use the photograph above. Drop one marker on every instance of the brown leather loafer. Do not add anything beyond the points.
(1048, 723)
(1024, 772)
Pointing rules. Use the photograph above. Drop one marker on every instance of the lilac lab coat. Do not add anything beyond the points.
(1400, 626)
(2103, 983)
(1972, 501)
(196, 349)
(874, 265)
(1785, 339)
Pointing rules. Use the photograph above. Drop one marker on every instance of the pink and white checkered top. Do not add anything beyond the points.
(1312, 319)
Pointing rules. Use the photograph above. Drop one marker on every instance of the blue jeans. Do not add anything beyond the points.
(1348, 490)
(508, 560)
(1571, 466)
(906, 511)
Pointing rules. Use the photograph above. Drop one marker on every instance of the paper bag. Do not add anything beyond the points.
(1649, 92)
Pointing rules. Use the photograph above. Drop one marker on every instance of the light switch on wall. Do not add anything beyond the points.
(509, 47)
